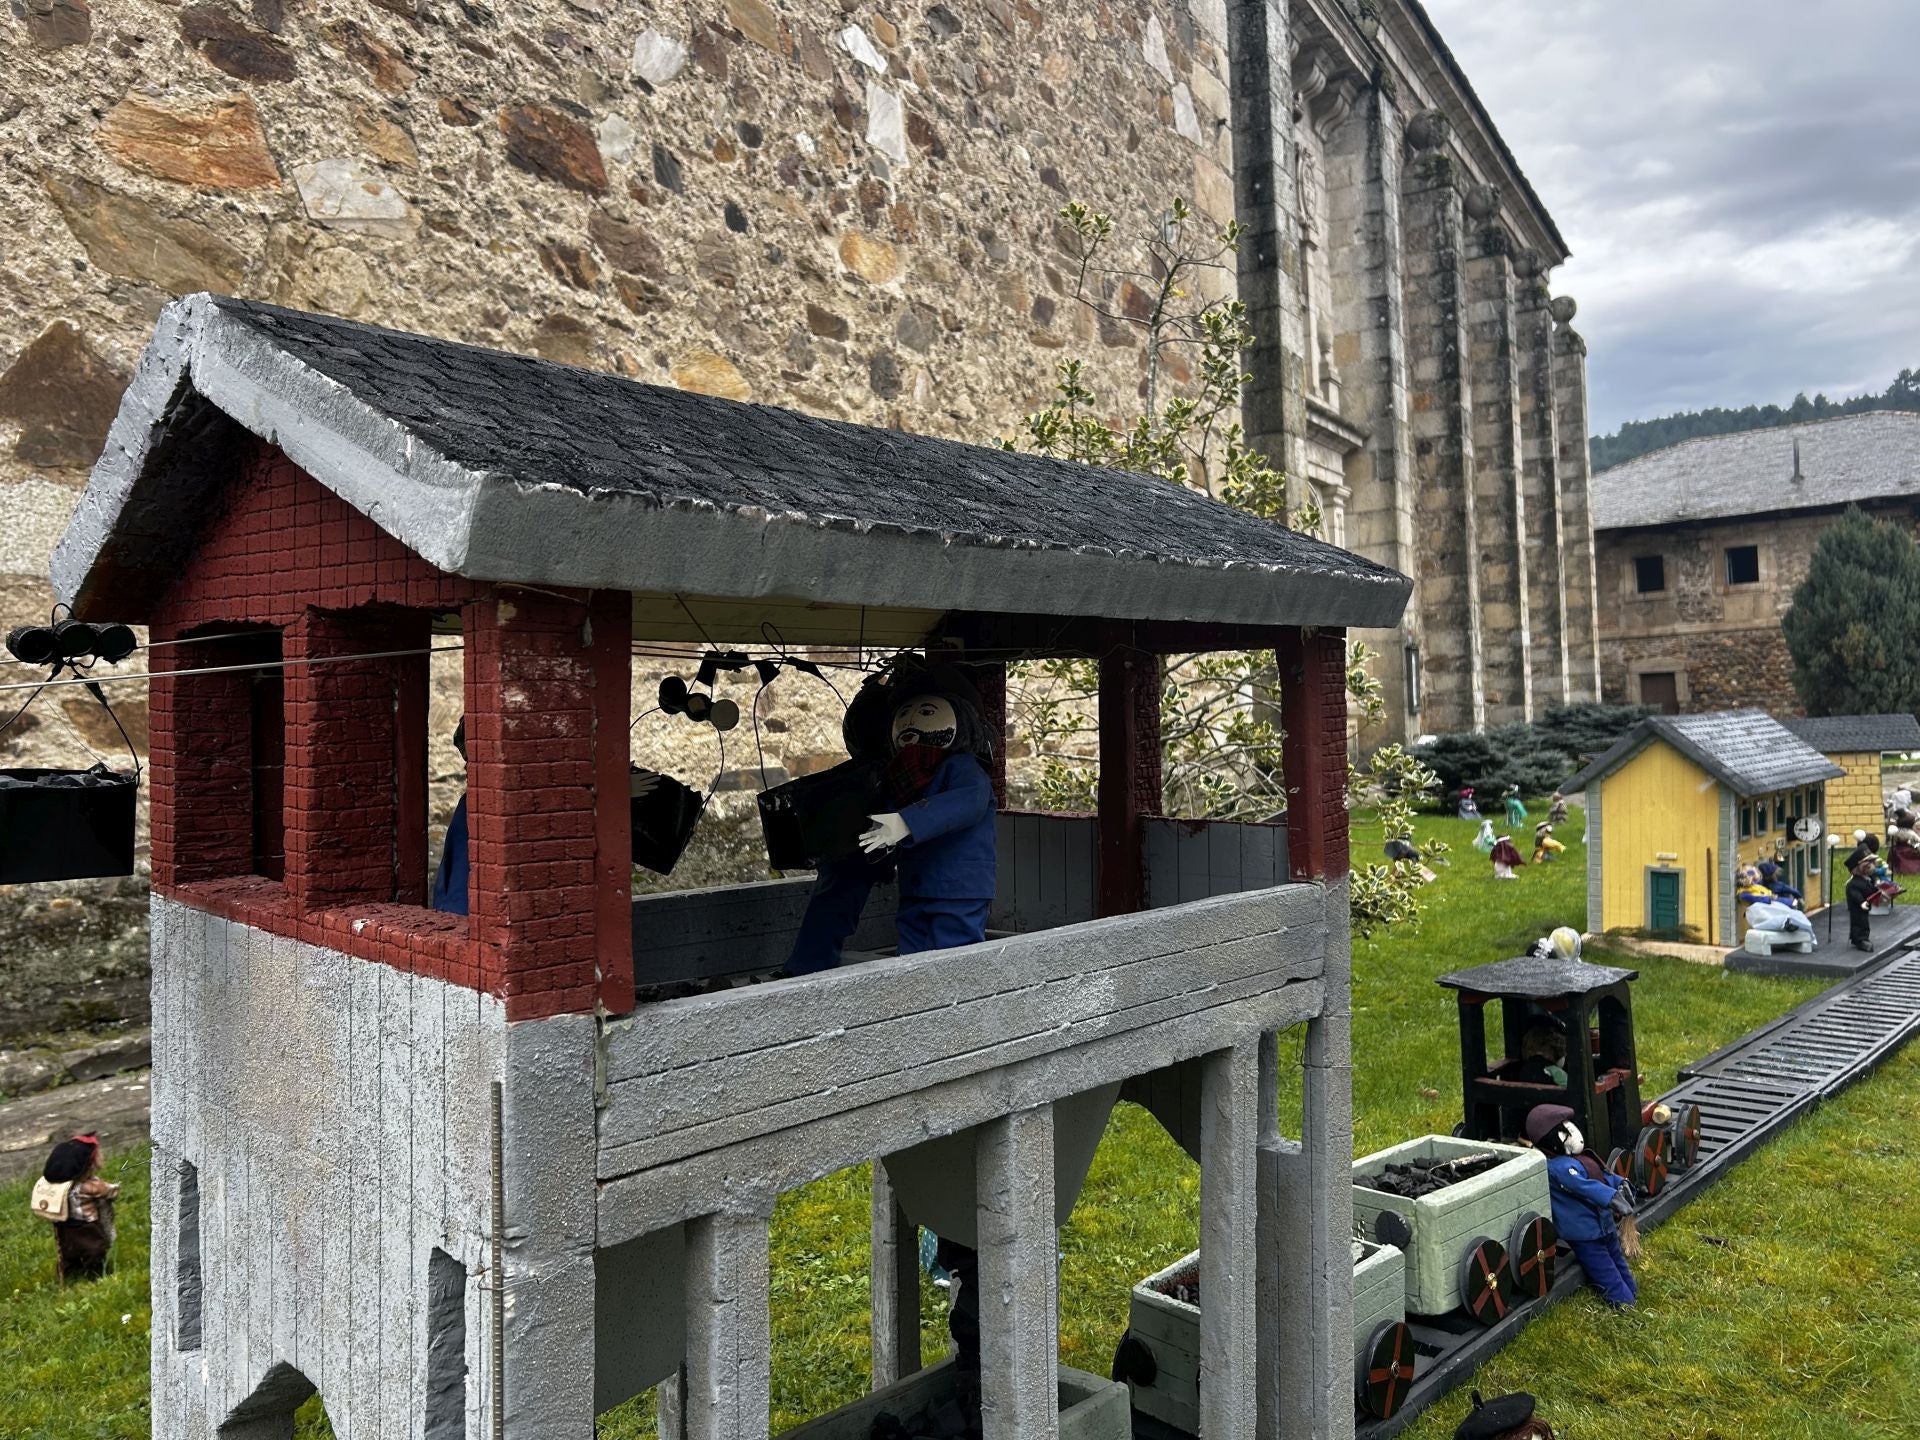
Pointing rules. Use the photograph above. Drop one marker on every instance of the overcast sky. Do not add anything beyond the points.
(1739, 181)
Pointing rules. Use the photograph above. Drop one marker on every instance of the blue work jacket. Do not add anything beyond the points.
(949, 854)
(1582, 1206)
(450, 879)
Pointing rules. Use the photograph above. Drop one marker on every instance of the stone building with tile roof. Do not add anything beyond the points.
(1700, 547)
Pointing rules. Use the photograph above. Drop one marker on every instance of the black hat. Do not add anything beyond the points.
(1491, 1419)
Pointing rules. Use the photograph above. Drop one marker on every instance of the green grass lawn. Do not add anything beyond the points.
(1140, 1211)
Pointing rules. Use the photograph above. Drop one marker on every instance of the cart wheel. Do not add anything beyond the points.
(1650, 1161)
(1686, 1137)
(1484, 1281)
(1387, 1374)
(1530, 1257)
(1390, 1227)
(1133, 1362)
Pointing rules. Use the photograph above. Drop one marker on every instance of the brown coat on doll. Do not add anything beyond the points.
(79, 1204)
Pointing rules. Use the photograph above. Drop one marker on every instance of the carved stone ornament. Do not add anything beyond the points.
(1428, 130)
(1564, 309)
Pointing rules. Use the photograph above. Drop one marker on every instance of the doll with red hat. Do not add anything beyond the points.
(72, 1197)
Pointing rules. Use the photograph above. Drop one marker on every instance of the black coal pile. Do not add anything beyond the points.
(1413, 1178)
(1182, 1285)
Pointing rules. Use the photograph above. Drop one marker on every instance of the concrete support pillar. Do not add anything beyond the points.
(1442, 429)
(1274, 405)
(1576, 504)
(1306, 1203)
(1499, 511)
(727, 1385)
(1540, 465)
(1229, 1213)
(894, 1283)
(1019, 1320)
(1369, 348)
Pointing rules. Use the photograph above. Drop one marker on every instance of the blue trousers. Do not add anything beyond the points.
(1606, 1266)
(840, 893)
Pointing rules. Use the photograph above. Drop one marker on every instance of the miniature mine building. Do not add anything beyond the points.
(1593, 1004)
(393, 1144)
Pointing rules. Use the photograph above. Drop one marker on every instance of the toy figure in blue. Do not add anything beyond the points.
(939, 838)
(1586, 1201)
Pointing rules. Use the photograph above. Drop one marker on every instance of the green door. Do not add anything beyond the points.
(1663, 901)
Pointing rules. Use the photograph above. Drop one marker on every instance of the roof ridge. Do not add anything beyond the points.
(1913, 415)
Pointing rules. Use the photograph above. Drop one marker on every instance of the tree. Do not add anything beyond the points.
(1219, 712)
(1854, 629)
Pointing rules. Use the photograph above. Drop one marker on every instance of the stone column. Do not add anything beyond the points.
(893, 1276)
(1274, 405)
(727, 1385)
(1499, 510)
(1444, 572)
(1229, 1213)
(1019, 1335)
(1540, 465)
(1576, 504)
(1369, 349)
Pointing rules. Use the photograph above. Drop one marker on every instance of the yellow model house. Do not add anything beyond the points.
(1856, 744)
(1680, 802)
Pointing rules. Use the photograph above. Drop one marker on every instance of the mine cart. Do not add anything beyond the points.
(1160, 1355)
(1457, 1234)
(1590, 1007)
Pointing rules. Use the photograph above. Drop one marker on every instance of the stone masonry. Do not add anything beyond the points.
(845, 208)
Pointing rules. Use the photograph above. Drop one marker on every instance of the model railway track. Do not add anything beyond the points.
(1747, 1093)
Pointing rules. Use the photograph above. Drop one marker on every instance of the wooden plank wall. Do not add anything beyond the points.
(1190, 860)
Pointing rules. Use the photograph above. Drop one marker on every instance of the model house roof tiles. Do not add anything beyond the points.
(502, 467)
(1857, 734)
(1875, 456)
(1747, 750)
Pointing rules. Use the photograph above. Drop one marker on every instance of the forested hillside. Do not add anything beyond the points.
(1637, 437)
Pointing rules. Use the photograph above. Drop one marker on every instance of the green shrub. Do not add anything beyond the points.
(1537, 757)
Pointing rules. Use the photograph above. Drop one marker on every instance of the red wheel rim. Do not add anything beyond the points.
(1530, 1257)
(1485, 1282)
(1389, 1373)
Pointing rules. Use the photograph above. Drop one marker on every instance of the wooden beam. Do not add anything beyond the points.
(1130, 778)
(1229, 1124)
(893, 1278)
(1019, 1325)
(1313, 713)
(610, 621)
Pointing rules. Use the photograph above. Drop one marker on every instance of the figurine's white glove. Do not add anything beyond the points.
(641, 782)
(885, 832)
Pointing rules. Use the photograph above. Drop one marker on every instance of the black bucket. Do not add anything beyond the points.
(820, 817)
(663, 821)
(65, 824)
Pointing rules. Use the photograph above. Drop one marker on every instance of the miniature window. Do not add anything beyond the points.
(1649, 574)
(1746, 822)
(1743, 564)
(1661, 690)
(187, 1292)
(1779, 812)
(1413, 679)
(1799, 803)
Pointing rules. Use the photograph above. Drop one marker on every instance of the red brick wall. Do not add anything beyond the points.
(1313, 712)
(546, 731)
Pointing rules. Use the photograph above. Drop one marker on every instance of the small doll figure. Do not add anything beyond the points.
(1748, 886)
(1776, 883)
(1543, 1053)
(939, 838)
(1545, 847)
(1506, 859)
(1516, 809)
(1557, 811)
(1484, 841)
(1587, 1202)
(1468, 809)
(71, 1195)
(1563, 943)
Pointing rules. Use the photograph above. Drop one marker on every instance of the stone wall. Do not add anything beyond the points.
(1722, 641)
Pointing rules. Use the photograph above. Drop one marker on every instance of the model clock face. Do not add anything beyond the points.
(1808, 830)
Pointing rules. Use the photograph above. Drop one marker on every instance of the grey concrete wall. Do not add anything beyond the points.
(1500, 511)
(336, 1114)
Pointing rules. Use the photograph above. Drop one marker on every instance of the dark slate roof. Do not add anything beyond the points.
(1536, 977)
(1855, 734)
(1748, 751)
(503, 467)
(1858, 457)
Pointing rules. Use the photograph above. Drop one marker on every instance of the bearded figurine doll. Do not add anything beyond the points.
(1587, 1202)
(938, 837)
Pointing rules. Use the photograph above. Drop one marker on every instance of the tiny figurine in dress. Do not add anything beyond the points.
(1516, 807)
(1468, 810)
(1545, 847)
(1506, 859)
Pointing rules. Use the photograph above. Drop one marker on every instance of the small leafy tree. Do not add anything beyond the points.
(1854, 629)
(1219, 712)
